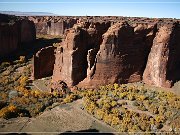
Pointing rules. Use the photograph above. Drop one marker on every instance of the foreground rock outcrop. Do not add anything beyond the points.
(43, 62)
(13, 32)
(119, 53)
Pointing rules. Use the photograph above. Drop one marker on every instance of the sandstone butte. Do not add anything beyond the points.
(103, 50)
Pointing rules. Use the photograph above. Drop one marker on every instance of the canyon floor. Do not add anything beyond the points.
(38, 111)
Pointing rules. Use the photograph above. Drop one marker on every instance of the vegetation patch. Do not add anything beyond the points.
(132, 108)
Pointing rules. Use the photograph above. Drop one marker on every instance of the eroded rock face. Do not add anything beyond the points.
(163, 65)
(90, 57)
(122, 54)
(71, 58)
(43, 62)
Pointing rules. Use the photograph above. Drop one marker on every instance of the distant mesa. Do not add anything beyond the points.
(18, 13)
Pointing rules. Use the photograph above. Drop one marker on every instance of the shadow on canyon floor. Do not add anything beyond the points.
(16, 134)
(29, 49)
(88, 131)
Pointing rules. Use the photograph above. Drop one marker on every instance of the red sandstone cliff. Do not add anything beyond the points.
(71, 58)
(122, 54)
(163, 65)
(91, 57)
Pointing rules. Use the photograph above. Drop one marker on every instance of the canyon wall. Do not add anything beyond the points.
(163, 65)
(119, 52)
(9, 38)
(28, 31)
(52, 25)
(43, 62)
(13, 33)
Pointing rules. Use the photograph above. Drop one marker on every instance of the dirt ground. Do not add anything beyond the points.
(61, 119)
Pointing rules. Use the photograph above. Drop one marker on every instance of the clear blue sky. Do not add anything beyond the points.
(140, 8)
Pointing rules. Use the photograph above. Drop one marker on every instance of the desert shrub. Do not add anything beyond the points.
(142, 108)
(3, 96)
(161, 110)
(123, 95)
(38, 108)
(116, 86)
(135, 128)
(113, 103)
(141, 97)
(115, 111)
(10, 111)
(131, 96)
(108, 118)
(23, 80)
(159, 118)
(115, 120)
(91, 107)
(99, 113)
(153, 109)
(175, 124)
(5, 64)
(106, 106)
(70, 98)
(21, 60)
